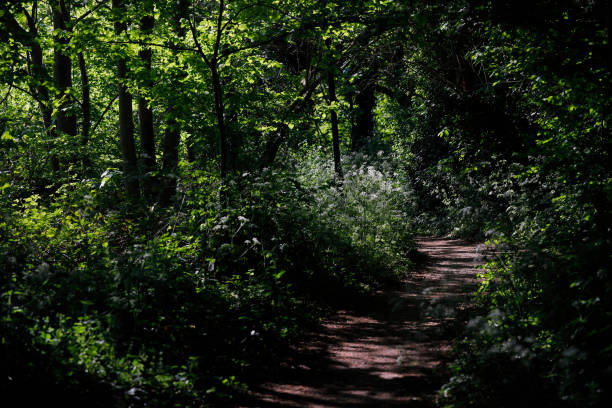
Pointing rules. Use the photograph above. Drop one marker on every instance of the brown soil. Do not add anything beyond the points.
(391, 351)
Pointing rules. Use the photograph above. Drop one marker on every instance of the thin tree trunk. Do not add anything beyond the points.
(331, 85)
(273, 144)
(85, 109)
(172, 135)
(145, 113)
(39, 72)
(62, 71)
(219, 111)
(212, 63)
(235, 144)
(191, 154)
(172, 139)
(85, 100)
(126, 123)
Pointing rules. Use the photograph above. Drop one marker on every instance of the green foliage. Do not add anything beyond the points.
(494, 124)
(372, 209)
(176, 305)
(512, 144)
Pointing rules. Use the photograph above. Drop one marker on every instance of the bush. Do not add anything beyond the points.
(138, 304)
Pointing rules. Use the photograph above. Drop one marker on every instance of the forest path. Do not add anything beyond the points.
(390, 351)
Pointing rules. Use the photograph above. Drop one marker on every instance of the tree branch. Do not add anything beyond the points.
(95, 126)
(219, 29)
(8, 93)
(88, 12)
(199, 49)
(30, 93)
(170, 47)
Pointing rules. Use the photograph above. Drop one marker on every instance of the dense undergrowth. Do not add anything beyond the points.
(494, 119)
(119, 303)
(516, 154)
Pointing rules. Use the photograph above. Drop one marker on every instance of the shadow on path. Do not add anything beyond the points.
(392, 355)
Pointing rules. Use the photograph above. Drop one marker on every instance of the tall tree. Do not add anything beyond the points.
(212, 62)
(126, 121)
(85, 99)
(38, 75)
(66, 120)
(172, 134)
(333, 102)
(145, 113)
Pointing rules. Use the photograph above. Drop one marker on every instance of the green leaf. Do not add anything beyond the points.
(7, 136)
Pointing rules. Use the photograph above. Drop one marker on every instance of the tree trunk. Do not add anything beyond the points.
(191, 153)
(39, 72)
(172, 138)
(145, 113)
(331, 85)
(179, 12)
(273, 144)
(235, 144)
(85, 100)
(218, 91)
(85, 108)
(219, 110)
(363, 125)
(66, 121)
(212, 61)
(126, 122)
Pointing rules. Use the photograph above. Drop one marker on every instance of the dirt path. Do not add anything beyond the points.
(392, 352)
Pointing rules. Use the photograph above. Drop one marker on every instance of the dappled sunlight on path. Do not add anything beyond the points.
(389, 352)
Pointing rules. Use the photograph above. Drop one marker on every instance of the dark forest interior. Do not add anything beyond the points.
(188, 187)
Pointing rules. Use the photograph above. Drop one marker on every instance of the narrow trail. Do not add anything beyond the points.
(391, 351)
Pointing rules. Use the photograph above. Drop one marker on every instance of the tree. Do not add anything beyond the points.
(145, 113)
(66, 118)
(126, 123)
(37, 74)
(212, 61)
(333, 100)
(172, 135)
